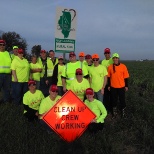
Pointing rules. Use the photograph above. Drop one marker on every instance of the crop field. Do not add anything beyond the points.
(133, 135)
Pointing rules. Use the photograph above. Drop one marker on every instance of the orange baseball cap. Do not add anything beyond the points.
(95, 56)
(81, 54)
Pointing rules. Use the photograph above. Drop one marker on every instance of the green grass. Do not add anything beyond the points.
(133, 135)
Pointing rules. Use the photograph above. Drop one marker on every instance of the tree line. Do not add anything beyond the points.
(14, 39)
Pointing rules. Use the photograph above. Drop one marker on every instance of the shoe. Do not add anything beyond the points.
(114, 113)
(123, 113)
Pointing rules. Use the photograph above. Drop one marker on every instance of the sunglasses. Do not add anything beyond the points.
(54, 91)
(106, 53)
(78, 73)
(95, 59)
(20, 52)
(32, 85)
(2, 44)
(60, 59)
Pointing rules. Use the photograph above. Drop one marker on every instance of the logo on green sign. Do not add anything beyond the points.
(65, 22)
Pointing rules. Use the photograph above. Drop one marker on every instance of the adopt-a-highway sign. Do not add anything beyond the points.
(69, 117)
(65, 30)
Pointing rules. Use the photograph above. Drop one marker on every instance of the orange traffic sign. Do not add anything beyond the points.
(69, 117)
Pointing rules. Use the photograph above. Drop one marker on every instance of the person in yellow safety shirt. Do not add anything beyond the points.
(68, 74)
(35, 70)
(31, 101)
(107, 62)
(79, 85)
(56, 78)
(15, 52)
(20, 76)
(53, 58)
(108, 59)
(82, 57)
(5, 73)
(48, 102)
(88, 62)
(47, 71)
(98, 77)
(98, 109)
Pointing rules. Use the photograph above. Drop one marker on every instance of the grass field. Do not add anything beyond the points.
(133, 135)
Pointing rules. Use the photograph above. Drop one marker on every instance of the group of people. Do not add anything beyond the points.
(39, 84)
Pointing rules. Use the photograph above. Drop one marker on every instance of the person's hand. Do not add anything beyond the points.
(15, 80)
(93, 121)
(64, 89)
(126, 88)
(39, 69)
(108, 88)
(102, 91)
(47, 82)
(37, 113)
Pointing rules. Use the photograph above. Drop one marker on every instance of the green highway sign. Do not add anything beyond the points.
(65, 33)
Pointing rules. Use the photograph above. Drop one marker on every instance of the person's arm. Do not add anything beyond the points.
(103, 112)
(36, 70)
(126, 84)
(104, 84)
(90, 81)
(30, 110)
(64, 83)
(14, 76)
(55, 75)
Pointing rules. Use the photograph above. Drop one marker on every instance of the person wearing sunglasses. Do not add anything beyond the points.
(79, 84)
(48, 102)
(97, 108)
(106, 62)
(20, 75)
(31, 101)
(98, 77)
(68, 74)
(88, 61)
(5, 73)
(118, 84)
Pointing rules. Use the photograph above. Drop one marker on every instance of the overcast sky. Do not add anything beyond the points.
(125, 26)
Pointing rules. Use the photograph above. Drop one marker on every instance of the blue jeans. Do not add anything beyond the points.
(18, 91)
(5, 86)
(99, 96)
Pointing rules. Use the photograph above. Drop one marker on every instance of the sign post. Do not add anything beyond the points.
(65, 33)
(69, 117)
